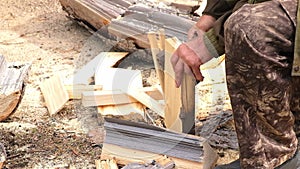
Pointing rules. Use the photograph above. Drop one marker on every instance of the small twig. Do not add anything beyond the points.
(75, 152)
(14, 156)
(11, 43)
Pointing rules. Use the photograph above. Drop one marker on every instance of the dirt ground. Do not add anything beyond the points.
(39, 32)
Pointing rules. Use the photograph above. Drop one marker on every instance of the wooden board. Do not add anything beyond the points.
(103, 60)
(106, 97)
(172, 94)
(118, 79)
(147, 101)
(123, 110)
(180, 111)
(54, 93)
(115, 97)
(157, 47)
(187, 111)
(12, 77)
(75, 91)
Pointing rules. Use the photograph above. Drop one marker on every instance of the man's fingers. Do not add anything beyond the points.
(197, 73)
(187, 70)
(174, 58)
(179, 70)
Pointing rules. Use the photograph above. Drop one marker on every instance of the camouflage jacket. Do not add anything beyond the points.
(222, 9)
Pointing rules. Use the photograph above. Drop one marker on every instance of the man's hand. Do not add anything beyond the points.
(189, 57)
(184, 60)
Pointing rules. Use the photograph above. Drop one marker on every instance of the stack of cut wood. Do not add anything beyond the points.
(12, 77)
(132, 18)
(129, 143)
(140, 19)
(116, 91)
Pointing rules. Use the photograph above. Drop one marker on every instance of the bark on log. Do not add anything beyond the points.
(95, 13)
(139, 20)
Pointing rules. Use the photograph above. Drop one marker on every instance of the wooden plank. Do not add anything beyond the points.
(75, 91)
(155, 49)
(122, 109)
(118, 78)
(296, 62)
(153, 92)
(187, 111)
(185, 108)
(54, 93)
(106, 97)
(213, 63)
(103, 60)
(114, 97)
(147, 101)
(12, 76)
(172, 94)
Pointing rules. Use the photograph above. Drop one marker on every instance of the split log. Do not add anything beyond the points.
(172, 94)
(157, 42)
(12, 77)
(139, 20)
(130, 142)
(180, 102)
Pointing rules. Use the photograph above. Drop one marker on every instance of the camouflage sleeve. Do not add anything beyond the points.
(217, 8)
(221, 10)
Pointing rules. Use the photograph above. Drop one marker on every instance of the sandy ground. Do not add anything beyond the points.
(39, 32)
